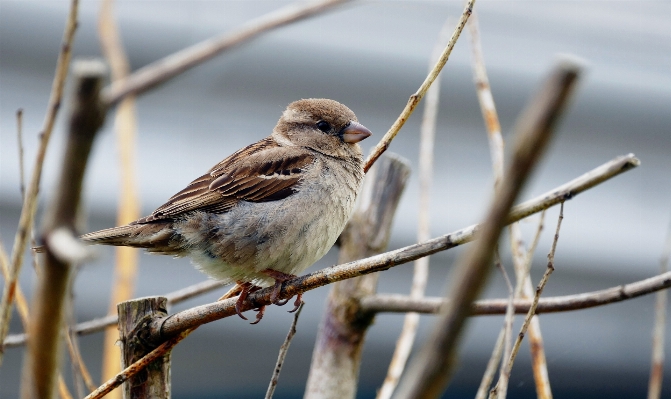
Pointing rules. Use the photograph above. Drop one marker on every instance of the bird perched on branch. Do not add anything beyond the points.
(267, 212)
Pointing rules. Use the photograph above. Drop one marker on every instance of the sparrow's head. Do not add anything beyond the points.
(322, 125)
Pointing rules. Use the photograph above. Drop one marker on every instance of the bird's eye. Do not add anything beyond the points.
(323, 126)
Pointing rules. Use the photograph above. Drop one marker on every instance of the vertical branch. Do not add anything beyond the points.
(421, 270)
(431, 370)
(134, 316)
(501, 388)
(657, 368)
(46, 326)
(125, 126)
(284, 349)
(30, 199)
(337, 353)
(521, 262)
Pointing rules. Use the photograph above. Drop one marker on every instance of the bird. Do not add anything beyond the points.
(268, 211)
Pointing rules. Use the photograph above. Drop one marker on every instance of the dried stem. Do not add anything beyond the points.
(500, 390)
(431, 370)
(19, 140)
(401, 303)
(657, 368)
(136, 367)
(492, 365)
(414, 99)
(284, 349)
(421, 268)
(125, 126)
(30, 199)
(509, 318)
(78, 362)
(486, 101)
(164, 69)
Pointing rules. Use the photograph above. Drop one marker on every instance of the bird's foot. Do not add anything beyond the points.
(243, 290)
(280, 278)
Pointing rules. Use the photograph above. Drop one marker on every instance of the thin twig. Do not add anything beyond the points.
(414, 99)
(19, 139)
(657, 367)
(30, 201)
(162, 70)
(99, 324)
(136, 367)
(431, 369)
(508, 319)
(501, 388)
(284, 349)
(492, 365)
(536, 345)
(78, 361)
(486, 100)
(125, 126)
(420, 275)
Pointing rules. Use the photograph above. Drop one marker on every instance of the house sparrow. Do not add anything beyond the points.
(267, 212)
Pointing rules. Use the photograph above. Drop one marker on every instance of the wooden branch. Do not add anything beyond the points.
(431, 369)
(218, 310)
(134, 316)
(46, 326)
(485, 307)
(501, 388)
(136, 367)
(336, 357)
(414, 99)
(284, 349)
(207, 313)
(658, 332)
(420, 273)
(30, 199)
(99, 324)
(164, 69)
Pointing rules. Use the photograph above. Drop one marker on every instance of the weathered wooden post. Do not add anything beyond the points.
(134, 317)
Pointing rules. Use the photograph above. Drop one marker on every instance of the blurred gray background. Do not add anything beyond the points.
(371, 56)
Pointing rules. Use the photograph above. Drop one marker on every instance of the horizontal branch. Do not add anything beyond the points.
(403, 303)
(162, 70)
(190, 318)
(379, 262)
(100, 323)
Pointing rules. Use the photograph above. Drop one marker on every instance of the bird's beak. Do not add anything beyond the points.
(355, 132)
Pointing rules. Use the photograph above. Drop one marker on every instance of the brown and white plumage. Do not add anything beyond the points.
(277, 205)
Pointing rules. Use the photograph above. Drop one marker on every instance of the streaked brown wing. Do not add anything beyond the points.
(260, 172)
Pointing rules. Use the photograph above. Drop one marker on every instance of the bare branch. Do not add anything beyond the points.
(284, 349)
(218, 310)
(501, 388)
(507, 322)
(431, 370)
(657, 368)
(417, 97)
(174, 64)
(565, 303)
(47, 319)
(30, 199)
(136, 367)
(421, 268)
